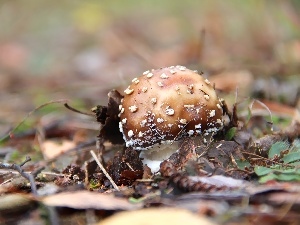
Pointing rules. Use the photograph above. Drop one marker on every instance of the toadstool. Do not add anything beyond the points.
(162, 106)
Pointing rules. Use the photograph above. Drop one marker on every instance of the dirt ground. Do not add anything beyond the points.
(77, 52)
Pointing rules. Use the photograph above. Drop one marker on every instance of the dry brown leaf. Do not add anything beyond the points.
(276, 108)
(51, 149)
(229, 81)
(284, 198)
(288, 52)
(156, 216)
(13, 55)
(14, 202)
(89, 200)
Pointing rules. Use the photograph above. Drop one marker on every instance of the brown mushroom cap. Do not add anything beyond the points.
(166, 105)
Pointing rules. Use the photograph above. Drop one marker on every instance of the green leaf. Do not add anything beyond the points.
(291, 157)
(136, 200)
(241, 164)
(277, 173)
(280, 177)
(297, 164)
(288, 177)
(268, 177)
(277, 147)
(287, 171)
(261, 170)
(230, 133)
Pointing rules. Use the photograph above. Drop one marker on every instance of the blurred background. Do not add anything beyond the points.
(79, 50)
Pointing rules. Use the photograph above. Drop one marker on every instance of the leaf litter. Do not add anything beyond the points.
(247, 172)
(215, 170)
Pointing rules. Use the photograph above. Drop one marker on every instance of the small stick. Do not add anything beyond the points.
(265, 159)
(264, 106)
(12, 131)
(130, 167)
(28, 176)
(78, 111)
(104, 171)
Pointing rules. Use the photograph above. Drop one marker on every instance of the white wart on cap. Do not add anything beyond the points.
(166, 105)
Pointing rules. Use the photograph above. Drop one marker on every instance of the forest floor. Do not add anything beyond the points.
(51, 158)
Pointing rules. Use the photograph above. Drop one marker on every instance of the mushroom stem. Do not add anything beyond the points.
(154, 156)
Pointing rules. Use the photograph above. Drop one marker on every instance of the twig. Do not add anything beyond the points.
(27, 159)
(78, 111)
(237, 169)
(37, 171)
(264, 143)
(53, 215)
(264, 106)
(11, 133)
(28, 176)
(266, 159)
(130, 167)
(46, 173)
(104, 171)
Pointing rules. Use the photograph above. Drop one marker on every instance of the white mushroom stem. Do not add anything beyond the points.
(154, 156)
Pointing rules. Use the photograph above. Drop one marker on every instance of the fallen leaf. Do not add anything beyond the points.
(89, 200)
(229, 81)
(284, 198)
(156, 216)
(14, 203)
(52, 149)
(13, 55)
(275, 107)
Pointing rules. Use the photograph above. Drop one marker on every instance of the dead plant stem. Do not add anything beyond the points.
(104, 170)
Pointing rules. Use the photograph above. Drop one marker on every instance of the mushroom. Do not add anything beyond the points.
(165, 105)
